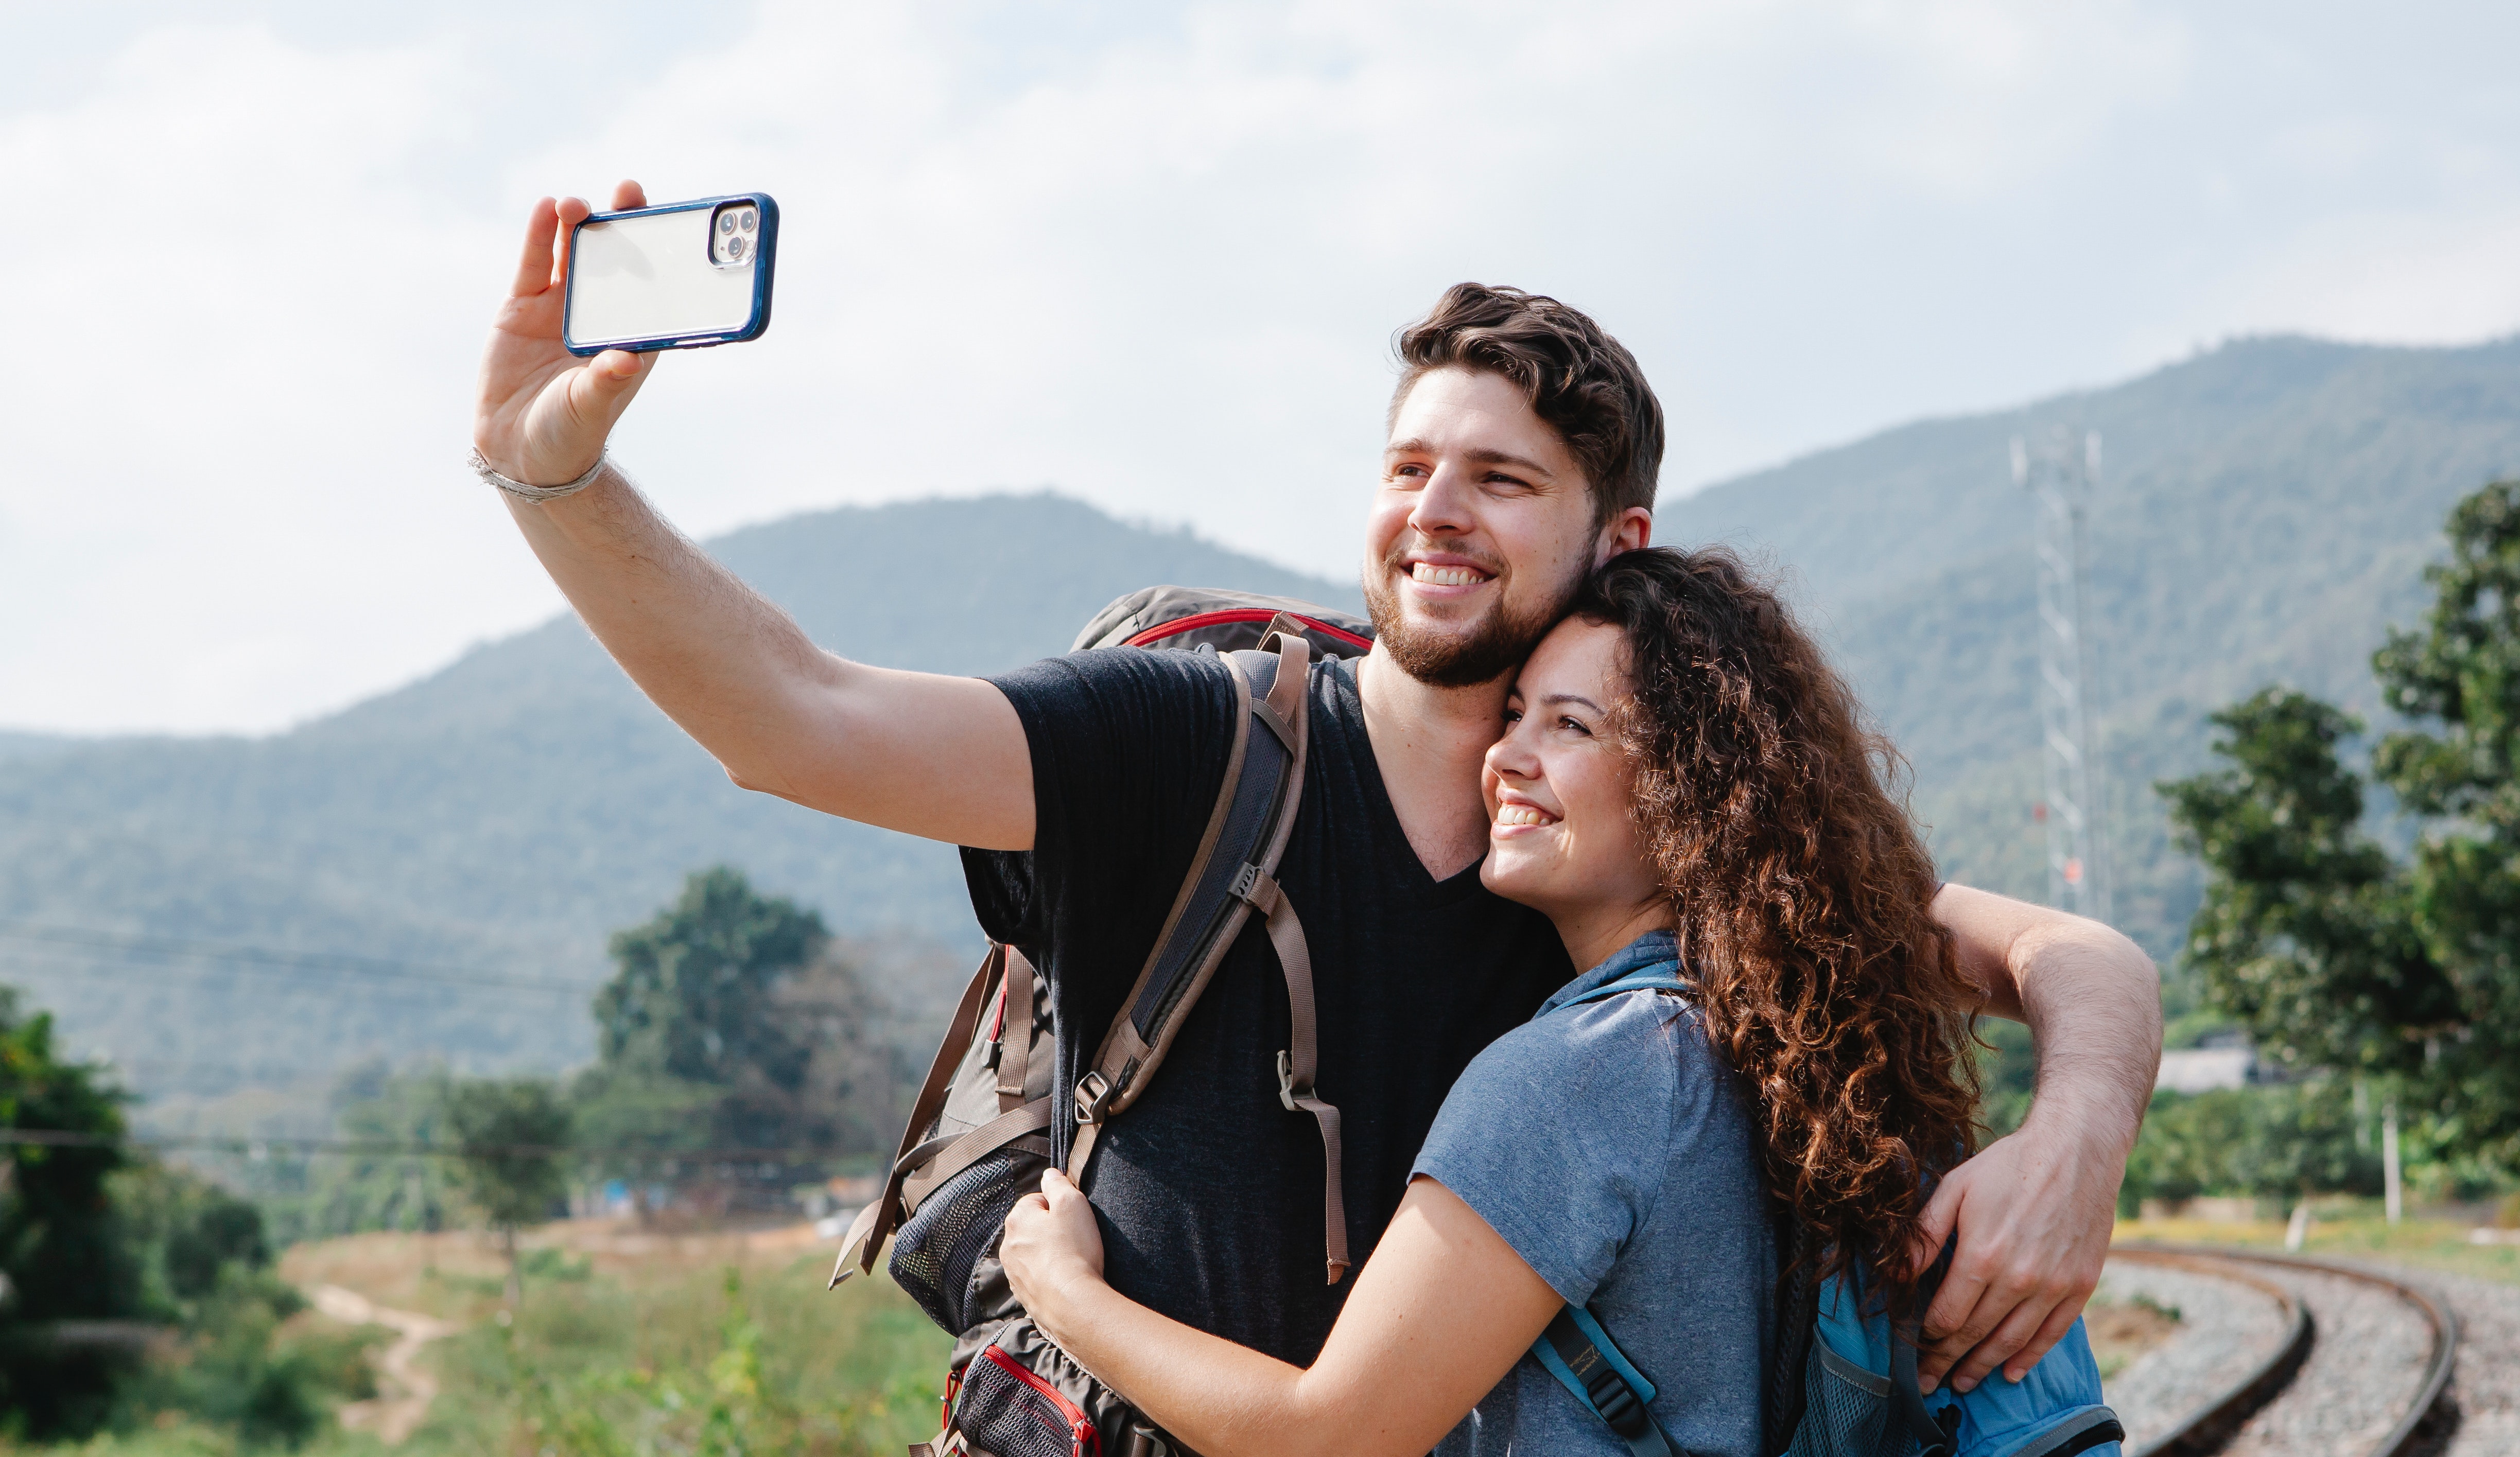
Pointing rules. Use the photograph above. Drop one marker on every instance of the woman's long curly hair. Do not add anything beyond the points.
(1800, 893)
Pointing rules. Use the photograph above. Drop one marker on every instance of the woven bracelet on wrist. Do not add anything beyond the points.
(522, 492)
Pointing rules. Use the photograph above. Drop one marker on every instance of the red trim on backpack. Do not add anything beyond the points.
(1080, 1427)
(1223, 615)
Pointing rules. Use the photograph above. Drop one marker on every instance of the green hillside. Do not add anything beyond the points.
(2267, 511)
(32, 745)
(506, 813)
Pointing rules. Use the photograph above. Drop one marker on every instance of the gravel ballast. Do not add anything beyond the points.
(2225, 1330)
(2364, 1368)
(2484, 1382)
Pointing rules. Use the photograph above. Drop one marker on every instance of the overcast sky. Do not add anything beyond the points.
(1150, 254)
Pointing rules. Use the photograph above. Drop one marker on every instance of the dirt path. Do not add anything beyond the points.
(408, 1390)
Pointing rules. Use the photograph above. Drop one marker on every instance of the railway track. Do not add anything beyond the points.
(2282, 1357)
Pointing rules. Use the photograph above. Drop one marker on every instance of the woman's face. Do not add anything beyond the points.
(1558, 786)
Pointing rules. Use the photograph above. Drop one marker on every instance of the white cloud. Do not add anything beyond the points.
(217, 500)
(2406, 279)
(1155, 262)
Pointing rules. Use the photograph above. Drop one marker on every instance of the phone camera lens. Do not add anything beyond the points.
(735, 248)
(726, 222)
(745, 219)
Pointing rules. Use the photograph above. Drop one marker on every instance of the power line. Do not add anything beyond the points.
(141, 1066)
(274, 959)
(60, 962)
(230, 1143)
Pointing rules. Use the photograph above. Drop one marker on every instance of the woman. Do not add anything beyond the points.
(1682, 780)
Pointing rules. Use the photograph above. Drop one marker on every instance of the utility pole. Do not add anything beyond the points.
(2061, 475)
(2393, 1201)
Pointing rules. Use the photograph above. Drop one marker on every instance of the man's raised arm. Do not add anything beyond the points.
(2036, 1209)
(940, 757)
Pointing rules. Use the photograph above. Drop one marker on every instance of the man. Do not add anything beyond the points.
(1523, 450)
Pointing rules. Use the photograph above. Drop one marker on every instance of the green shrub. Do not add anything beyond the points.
(2280, 1142)
(234, 1371)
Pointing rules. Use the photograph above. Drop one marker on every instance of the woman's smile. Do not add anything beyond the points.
(1561, 787)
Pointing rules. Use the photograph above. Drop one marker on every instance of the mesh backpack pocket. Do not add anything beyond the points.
(1018, 1414)
(1022, 1396)
(945, 1256)
(1846, 1410)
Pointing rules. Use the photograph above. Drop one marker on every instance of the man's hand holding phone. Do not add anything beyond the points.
(544, 412)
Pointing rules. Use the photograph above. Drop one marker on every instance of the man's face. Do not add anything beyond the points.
(1480, 532)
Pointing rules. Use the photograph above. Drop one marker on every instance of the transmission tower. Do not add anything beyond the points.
(2061, 474)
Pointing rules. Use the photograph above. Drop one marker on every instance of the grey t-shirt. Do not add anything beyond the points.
(1618, 1155)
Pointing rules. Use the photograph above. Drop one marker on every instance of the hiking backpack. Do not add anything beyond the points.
(1821, 1399)
(979, 1136)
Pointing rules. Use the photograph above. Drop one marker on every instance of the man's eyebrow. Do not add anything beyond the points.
(1480, 454)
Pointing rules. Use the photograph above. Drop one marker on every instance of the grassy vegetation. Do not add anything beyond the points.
(704, 1363)
(2350, 1229)
(625, 1344)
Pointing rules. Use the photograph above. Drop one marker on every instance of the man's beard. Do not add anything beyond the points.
(1496, 645)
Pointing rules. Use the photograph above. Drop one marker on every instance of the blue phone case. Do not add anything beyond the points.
(765, 258)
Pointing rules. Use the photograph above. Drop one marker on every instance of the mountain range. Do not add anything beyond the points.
(2265, 512)
(486, 828)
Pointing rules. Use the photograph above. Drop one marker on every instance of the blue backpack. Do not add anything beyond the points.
(1845, 1380)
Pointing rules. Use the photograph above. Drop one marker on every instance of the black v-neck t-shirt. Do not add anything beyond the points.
(1209, 1190)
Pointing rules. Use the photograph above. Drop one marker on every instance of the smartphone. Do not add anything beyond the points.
(684, 275)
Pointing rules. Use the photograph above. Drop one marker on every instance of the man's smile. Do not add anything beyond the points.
(1439, 571)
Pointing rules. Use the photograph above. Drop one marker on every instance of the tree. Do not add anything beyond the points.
(64, 1252)
(2463, 672)
(233, 1363)
(375, 1190)
(736, 1021)
(2306, 934)
(512, 1134)
(2279, 1142)
(2330, 951)
(693, 998)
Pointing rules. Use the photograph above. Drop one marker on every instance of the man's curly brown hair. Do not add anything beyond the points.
(1802, 896)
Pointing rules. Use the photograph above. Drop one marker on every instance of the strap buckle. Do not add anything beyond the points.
(1286, 1089)
(1253, 888)
(1093, 1091)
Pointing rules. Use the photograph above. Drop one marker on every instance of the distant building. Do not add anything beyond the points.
(2198, 1070)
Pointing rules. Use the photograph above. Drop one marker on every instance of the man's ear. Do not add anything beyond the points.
(1632, 531)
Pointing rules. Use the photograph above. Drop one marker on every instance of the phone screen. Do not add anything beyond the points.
(682, 276)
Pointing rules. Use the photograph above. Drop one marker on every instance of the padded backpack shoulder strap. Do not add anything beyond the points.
(1797, 1315)
(1589, 1363)
(1230, 877)
(1936, 1432)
